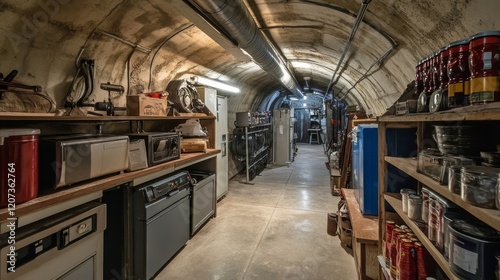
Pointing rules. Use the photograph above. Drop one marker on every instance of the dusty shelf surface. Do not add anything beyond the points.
(409, 166)
(100, 184)
(395, 201)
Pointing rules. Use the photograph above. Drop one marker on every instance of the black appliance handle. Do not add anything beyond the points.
(172, 193)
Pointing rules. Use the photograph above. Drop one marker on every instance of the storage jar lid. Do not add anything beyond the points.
(485, 34)
(402, 191)
(481, 171)
(415, 198)
(458, 43)
(18, 132)
(475, 230)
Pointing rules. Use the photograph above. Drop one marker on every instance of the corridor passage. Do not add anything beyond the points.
(274, 229)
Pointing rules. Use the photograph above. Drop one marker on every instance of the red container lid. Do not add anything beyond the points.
(459, 46)
(4, 133)
(486, 37)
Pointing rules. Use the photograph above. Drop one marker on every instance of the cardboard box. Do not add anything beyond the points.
(140, 105)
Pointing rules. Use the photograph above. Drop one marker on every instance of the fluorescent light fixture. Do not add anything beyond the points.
(294, 98)
(216, 84)
(301, 64)
(305, 97)
(305, 104)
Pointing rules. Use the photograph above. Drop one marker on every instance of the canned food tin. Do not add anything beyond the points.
(458, 73)
(414, 207)
(484, 66)
(473, 247)
(19, 165)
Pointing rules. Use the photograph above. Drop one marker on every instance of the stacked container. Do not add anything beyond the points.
(484, 65)
(19, 166)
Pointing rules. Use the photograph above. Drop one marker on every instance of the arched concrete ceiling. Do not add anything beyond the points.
(42, 39)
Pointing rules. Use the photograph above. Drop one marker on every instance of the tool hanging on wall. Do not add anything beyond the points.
(82, 85)
(108, 106)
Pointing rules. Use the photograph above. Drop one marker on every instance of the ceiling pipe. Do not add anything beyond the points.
(359, 19)
(234, 17)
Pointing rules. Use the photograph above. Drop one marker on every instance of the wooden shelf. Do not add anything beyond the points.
(365, 228)
(48, 117)
(396, 203)
(104, 183)
(409, 166)
(469, 113)
(385, 270)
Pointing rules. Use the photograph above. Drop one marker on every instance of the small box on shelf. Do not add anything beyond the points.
(142, 105)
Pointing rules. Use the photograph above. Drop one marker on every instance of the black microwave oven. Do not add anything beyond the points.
(160, 146)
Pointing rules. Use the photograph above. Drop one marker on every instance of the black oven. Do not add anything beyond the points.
(160, 146)
(203, 198)
(160, 222)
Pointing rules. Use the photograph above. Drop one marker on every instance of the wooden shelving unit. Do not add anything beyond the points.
(101, 184)
(53, 118)
(365, 237)
(395, 202)
(54, 198)
(409, 166)
(422, 122)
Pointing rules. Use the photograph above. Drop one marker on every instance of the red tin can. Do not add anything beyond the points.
(443, 71)
(419, 78)
(407, 263)
(427, 75)
(484, 63)
(389, 228)
(19, 166)
(458, 74)
(435, 82)
(425, 267)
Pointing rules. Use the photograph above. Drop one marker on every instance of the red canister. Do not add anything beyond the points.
(394, 250)
(419, 79)
(443, 71)
(458, 73)
(425, 265)
(19, 166)
(427, 75)
(484, 63)
(407, 265)
(435, 82)
(389, 228)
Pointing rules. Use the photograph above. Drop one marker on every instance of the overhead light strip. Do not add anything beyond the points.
(216, 84)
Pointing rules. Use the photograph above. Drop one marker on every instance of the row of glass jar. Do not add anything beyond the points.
(468, 69)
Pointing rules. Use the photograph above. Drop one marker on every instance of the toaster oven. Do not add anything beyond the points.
(160, 146)
(69, 159)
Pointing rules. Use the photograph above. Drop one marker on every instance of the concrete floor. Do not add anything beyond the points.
(275, 229)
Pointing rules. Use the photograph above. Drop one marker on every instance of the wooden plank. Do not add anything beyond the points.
(484, 112)
(108, 182)
(409, 166)
(395, 202)
(382, 179)
(356, 122)
(16, 117)
(346, 165)
(25, 115)
(334, 172)
(365, 228)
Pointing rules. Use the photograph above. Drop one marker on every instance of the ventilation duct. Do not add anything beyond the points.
(234, 18)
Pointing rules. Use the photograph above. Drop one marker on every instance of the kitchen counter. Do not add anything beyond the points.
(50, 199)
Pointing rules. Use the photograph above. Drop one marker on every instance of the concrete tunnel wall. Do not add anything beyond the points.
(43, 38)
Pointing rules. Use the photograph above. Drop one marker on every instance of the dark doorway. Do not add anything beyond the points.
(302, 123)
